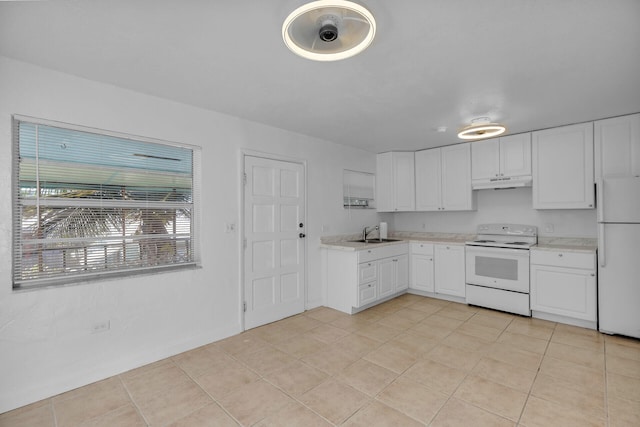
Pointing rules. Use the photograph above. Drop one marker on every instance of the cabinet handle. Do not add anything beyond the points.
(369, 264)
(560, 255)
(369, 251)
(593, 274)
(395, 260)
(590, 206)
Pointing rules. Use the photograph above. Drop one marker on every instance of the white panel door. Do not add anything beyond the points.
(274, 261)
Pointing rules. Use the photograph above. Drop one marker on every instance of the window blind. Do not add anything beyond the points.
(90, 203)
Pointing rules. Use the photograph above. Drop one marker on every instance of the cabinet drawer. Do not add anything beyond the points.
(371, 254)
(367, 293)
(422, 248)
(367, 272)
(564, 259)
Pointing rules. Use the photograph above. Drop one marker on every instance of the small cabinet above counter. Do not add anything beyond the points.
(501, 162)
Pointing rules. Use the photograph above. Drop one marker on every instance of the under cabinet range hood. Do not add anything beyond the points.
(499, 183)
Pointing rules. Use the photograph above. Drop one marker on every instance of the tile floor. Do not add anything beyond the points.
(412, 361)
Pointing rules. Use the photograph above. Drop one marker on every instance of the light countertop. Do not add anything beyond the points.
(566, 244)
(343, 242)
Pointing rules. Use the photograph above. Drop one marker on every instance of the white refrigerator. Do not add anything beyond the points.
(618, 210)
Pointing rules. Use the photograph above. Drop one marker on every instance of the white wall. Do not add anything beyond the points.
(45, 342)
(501, 206)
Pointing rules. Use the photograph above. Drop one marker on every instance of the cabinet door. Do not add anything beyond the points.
(564, 291)
(617, 147)
(404, 181)
(422, 272)
(402, 273)
(428, 180)
(449, 270)
(515, 155)
(384, 183)
(563, 168)
(367, 293)
(386, 277)
(456, 177)
(485, 159)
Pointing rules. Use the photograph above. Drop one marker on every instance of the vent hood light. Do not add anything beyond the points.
(329, 30)
(481, 128)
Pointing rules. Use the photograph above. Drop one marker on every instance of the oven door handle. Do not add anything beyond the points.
(491, 250)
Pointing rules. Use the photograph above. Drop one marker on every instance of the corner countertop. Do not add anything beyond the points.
(567, 244)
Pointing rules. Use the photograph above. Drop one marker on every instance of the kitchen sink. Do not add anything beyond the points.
(375, 241)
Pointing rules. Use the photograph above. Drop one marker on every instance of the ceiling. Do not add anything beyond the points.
(530, 64)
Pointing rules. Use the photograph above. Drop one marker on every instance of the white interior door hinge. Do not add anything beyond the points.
(244, 306)
(244, 243)
(244, 178)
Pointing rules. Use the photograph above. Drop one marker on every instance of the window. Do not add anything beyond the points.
(89, 203)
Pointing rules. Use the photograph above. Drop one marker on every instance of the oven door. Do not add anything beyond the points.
(499, 268)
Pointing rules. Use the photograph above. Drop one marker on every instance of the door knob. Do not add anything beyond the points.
(302, 235)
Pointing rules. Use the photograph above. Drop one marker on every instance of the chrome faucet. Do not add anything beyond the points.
(365, 232)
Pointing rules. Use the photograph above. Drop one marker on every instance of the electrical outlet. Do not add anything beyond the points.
(325, 228)
(424, 226)
(102, 326)
(229, 227)
(548, 228)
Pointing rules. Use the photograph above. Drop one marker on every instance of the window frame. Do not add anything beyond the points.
(70, 277)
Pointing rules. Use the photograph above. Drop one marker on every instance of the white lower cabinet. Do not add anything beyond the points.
(357, 279)
(386, 277)
(564, 287)
(422, 267)
(449, 270)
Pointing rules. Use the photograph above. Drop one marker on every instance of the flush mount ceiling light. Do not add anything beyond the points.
(329, 30)
(481, 128)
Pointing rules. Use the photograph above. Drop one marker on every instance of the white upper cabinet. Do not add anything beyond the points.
(443, 179)
(500, 159)
(617, 147)
(395, 182)
(515, 155)
(428, 180)
(563, 167)
(485, 159)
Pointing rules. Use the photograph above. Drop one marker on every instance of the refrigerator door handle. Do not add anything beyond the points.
(601, 248)
(600, 200)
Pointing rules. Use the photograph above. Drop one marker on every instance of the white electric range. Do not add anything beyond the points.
(497, 267)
